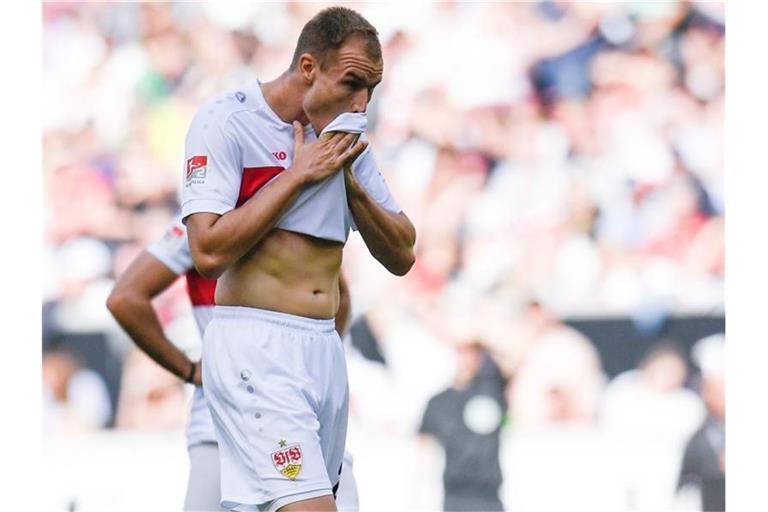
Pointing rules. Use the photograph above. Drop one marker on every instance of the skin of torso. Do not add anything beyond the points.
(288, 272)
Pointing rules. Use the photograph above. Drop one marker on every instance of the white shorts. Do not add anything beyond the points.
(203, 485)
(200, 426)
(276, 386)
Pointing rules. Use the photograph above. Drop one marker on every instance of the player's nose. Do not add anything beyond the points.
(360, 102)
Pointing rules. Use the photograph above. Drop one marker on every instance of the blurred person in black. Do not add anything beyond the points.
(466, 420)
(704, 459)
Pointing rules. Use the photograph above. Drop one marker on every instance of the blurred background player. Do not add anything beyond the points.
(466, 420)
(648, 413)
(149, 275)
(703, 466)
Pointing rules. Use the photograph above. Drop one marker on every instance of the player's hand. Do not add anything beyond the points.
(317, 160)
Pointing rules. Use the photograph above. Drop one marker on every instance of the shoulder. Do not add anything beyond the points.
(441, 399)
(220, 109)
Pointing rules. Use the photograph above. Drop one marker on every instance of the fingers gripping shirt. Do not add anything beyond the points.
(321, 210)
(236, 145)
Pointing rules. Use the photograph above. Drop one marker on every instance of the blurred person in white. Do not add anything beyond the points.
(151, 273)
(466, 421)
(74, 398)
(559, 377)
(553, 442)
(703, 466)
(647, 415)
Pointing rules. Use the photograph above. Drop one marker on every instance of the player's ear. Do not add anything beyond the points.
(308, 67)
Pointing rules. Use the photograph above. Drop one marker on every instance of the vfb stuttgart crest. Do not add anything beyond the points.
(287, 460)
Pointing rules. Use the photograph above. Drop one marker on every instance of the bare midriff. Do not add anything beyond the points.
(287, 272)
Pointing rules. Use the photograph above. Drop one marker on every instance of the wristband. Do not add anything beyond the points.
(191, 377)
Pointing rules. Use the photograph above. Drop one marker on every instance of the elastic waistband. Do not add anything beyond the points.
(315, 325)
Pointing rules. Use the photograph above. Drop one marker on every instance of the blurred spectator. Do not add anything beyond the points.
(648, 415)
(703, 464)
(558, 381)
(150, 397)
(466, 421)
(74, 398)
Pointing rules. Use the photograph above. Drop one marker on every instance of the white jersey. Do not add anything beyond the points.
(173, 251)
(236, 145)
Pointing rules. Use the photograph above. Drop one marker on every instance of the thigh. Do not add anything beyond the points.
(322, 503)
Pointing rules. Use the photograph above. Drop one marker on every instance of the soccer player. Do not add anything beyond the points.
(277, 174)
(152, 272)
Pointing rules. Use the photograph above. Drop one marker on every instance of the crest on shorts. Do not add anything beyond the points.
(287, 460)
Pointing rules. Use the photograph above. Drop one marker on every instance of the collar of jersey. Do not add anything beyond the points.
(307, 128)
(350, 122)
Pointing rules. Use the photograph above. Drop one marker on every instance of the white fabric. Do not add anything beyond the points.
(172, 249)
(347, 498)
(320, 207)
(239, 131)
(276, 386)
(203, 491)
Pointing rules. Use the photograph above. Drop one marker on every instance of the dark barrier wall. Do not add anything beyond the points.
(622, 341)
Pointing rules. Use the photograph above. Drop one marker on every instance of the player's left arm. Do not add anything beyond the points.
(389, 236)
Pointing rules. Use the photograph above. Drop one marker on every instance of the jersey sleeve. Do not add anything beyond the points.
(369, 176)
(212, 164)
(173, 248)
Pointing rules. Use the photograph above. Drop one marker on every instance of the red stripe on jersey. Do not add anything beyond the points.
(253, 179)
(201, 290)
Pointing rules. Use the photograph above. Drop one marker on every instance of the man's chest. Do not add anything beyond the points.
(264, 154)
(264, 146)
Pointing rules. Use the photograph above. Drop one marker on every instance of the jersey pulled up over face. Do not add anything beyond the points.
(236, 145)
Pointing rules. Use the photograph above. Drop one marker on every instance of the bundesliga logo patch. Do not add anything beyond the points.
(287, 460)
(196, 170)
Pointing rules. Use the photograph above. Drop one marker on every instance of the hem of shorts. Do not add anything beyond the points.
(168, 262)
(243, 504)
(199, 442)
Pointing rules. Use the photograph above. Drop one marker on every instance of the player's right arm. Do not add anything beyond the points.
(219, 233)
(131, 304)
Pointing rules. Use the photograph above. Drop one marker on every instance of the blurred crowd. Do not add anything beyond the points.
(558, 159)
